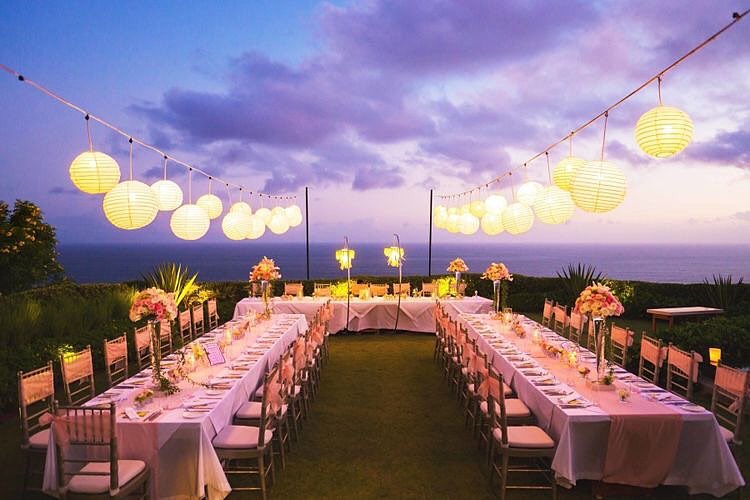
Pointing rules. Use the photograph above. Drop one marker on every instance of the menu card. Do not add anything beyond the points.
(214, 354)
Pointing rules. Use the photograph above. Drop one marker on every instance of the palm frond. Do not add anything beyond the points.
(172, 277)
(575, 278)
(722, 292)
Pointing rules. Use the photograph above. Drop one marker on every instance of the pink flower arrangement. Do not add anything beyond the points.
(497, 271)
(265, 270)
(153, 302)
(598, 301)
(458, 265)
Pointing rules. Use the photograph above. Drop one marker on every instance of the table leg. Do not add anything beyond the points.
(653, 323)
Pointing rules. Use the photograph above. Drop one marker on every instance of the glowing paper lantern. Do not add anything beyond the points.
(94, 173)
(440, 216)
(663, 131)
(528, 192)
(495, 203)
(598, 187)
(565, 171)
(451, 224)
(477, 208)
(236, 225)
(264, 214)
(130, 205)
(294, 214)
(257, 228)
(211, 204)
(517, 218)
(345, 256)
(395, 255)
(465, 209)
(554, 205)
(241, 206)
(168, 195)
(492, 223)
(468, 224)
(189, 222)
(279, 224)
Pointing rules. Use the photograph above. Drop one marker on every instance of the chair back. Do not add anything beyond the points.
(356, 288)
(292, 289)
(498, 397)
(575, 329)
(620, 339)
(428, 289)
(213, 315)
(651, 358)
(255, 289)
(165, 337)
(591, 341)
(86, 430)
(378, 290)
(186, 328)
(78, 376)
(271, 403)
(116, 360)
(322, 290)
(142, 342)
(547, 313)
(728, 400)
(199, 326)
(403, 289)
(36, 396)
(682, 371)
(560, 319)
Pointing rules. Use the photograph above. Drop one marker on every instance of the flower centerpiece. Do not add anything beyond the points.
(264, 272)
(598, 302)
(155, 305)
(498, 273)
(143, 397)
(458, 266)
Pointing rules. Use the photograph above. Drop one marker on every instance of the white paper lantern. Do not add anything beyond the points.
(211, 204)
(663, 131)
(517, 218)
(294, 214)
(264, 214)
(257, 228)
(528, 192)
(477, 208)
(492, 223)
(94, 173)
(236, 225)
(452, 224)
(468, 224)
(130, 205)
(554, 205)
(599, 186)
(279, 224)
(189, 222)
(168, 195)
(565, 171)
(241, 206)
(440, 216)
(495, 203)
(464, 209)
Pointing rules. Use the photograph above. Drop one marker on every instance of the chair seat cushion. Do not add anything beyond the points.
(241, 437)
(525, 436)
(297, 390)
(514, 408)
(726, 434)
(251, 410)
(126, 471)
(470, 388)
(39, 439)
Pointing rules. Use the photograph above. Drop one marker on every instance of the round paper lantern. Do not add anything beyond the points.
(599, 186)
(663, 131)
(517, 218)
(236, 225)
(468, 224)
(211, 204)
(279, 224)
(492, 223)
(294, 214)
(528, 192)
(440, 216)
(565, 171)
(94, 173)
(168, 195)
(241, 206)
(131, 205)
(554, 205)
(189, 222)
(477, 208)
(495, 203)
(264, 214)
(465, 209)
(452, 224)
(257, 228)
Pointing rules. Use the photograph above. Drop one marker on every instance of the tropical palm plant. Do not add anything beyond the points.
(575, 278)
(172, 277)
(723, 292)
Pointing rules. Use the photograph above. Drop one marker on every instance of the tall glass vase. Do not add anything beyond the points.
(154, 330)
(458, 284)
(504, 296)
(600, 336)
(496, 292)
(265, 293)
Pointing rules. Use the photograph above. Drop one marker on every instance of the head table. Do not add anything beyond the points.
(375, 313)
(652, 438)
(173, 436)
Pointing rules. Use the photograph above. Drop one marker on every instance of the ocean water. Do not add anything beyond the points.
(660, 263)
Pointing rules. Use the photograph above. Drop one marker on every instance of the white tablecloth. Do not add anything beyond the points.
(703, 461)
(416, 312)
(178, 451)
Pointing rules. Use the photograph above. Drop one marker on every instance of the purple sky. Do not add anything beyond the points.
(371, 104)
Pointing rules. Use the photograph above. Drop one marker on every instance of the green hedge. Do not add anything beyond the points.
(731, 334)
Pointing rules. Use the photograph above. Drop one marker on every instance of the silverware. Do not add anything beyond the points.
(153, 416)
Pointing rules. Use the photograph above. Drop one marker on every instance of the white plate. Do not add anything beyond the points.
(193, 414)
(213, 392)
(693, 408)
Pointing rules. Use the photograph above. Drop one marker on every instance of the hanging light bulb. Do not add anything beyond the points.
(190, 222)
(492, 223)
(517, 218)
(130, 204)
(279, 224)
(210, 203)
(257, 228)
(664, 130)
(294, 214)
(168, 194)
(495, 203)
(529, 192)
(93, 172)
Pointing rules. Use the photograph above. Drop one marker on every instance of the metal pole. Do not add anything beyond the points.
(400, 264)
(348, 279)
(307, 233)
(429, 247)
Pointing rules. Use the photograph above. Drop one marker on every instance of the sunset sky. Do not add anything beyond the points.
(373, 103)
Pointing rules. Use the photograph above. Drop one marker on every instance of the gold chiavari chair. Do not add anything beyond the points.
(199, 325)
(255, 289)
(547, 313)
(651, 358)
(560, 319)
(378, 290)
(620, 341)
(429, 289)
(103, 475)
(186, 327)
(293, 289)
(490, 384)
(116, 360)
(36, 396)
(404, 289)
(682, 371)
(575, 329)
(142, 338)
(356, 288)
(165, 337)
(78, 376)
(728, 401)
(591, 339)
(322, 290)
(213, 315)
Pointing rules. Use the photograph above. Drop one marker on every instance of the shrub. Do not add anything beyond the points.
(731, 334)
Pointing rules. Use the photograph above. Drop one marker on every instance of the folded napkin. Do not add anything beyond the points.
(575, 400)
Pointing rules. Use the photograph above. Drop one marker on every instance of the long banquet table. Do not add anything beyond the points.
(177, 441)
(375, 313)
(653, 438)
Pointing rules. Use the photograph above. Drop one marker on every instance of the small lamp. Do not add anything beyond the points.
(714, 355)
(345, 256)
(395, 256)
